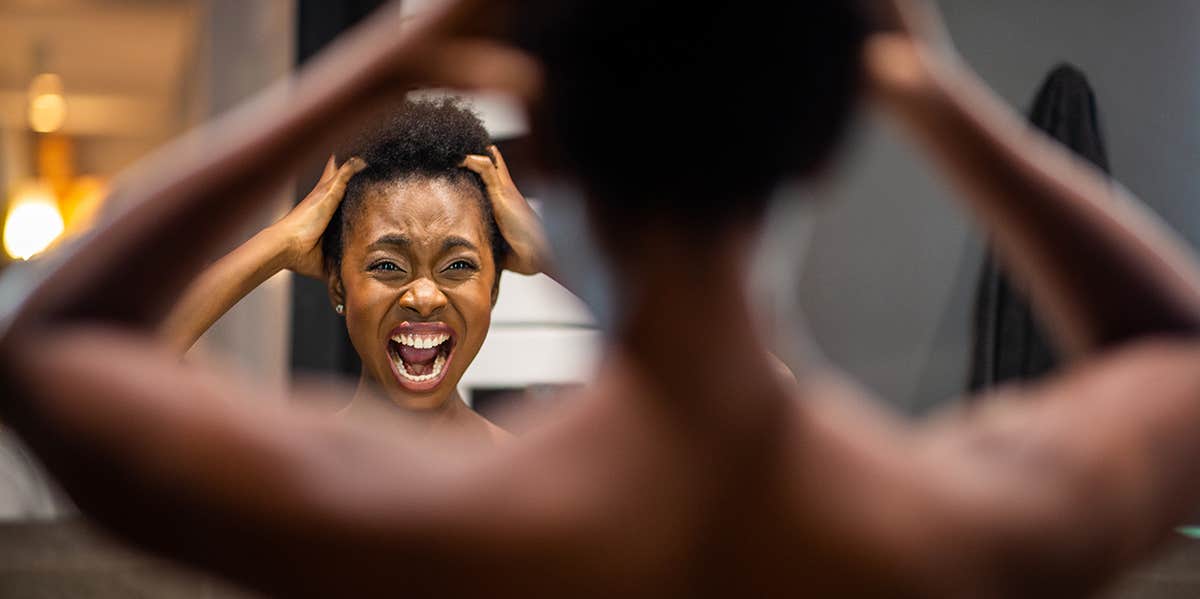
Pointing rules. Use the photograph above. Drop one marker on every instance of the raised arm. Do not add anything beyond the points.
(1099, 266)
(287, 501)
(293, 243)
(169, 456)
(1067, 481)
(181, 201)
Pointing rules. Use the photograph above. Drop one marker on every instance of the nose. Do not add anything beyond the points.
(423, 297)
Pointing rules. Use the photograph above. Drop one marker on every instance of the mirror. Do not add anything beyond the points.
(890, 275)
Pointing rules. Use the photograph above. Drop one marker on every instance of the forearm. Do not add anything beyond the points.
(1103, 272)
(1099, 267)
(222, 286)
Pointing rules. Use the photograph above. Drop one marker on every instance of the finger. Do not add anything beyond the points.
(497, 157)
(481, 165)
(352, 167)
(330, 167)
(501, 165)
(355, 165)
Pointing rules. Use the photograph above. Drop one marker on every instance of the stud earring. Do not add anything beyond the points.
(340, 309)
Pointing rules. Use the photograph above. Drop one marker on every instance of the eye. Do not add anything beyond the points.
(385, 265)
(461, 265)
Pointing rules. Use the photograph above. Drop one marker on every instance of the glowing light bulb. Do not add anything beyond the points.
(47, 106)
(33, 222)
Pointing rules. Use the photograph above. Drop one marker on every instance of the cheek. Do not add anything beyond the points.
(475, 306)
(366, 303)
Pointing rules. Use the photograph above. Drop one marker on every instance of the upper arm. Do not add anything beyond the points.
(1057, 484)
(1084, 473)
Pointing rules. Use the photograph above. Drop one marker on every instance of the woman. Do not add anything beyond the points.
(411, 235)
(687, 470)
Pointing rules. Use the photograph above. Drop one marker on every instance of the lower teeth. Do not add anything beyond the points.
(438, 364)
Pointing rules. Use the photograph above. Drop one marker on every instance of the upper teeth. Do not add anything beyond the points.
(421, 341)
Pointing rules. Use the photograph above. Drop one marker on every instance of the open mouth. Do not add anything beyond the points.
(420, 354)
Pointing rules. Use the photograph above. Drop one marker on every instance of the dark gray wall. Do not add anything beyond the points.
(889, 276)
(319, 343)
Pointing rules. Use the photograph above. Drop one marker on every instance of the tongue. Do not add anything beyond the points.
(414, 355)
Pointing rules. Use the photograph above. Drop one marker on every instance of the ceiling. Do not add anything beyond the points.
(123, 62)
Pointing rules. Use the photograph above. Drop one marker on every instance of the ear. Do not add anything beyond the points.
(496, 287)
(337, 293)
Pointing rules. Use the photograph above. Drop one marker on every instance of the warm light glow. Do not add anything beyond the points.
(47, 113)
(47, 106)
(33, 222)
(81, 204)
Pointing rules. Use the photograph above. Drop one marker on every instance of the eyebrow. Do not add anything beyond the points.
(455, 241)
(391, 240)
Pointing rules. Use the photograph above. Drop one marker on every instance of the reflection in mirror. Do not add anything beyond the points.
(410, 234)
(237, 313)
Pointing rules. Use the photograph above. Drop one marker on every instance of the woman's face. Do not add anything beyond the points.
(417, 275)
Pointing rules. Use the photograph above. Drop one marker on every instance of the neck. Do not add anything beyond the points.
(368, 398)
(688, 328)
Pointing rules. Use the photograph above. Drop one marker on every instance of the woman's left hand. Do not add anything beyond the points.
(518, 223)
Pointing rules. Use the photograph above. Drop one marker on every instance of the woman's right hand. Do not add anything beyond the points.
(303, 227)
(909, 51)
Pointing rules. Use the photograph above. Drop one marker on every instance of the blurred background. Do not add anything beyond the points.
(885, 266)
(87, 87)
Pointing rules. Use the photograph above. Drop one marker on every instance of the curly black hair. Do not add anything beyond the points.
(677, 112)
(419, 138)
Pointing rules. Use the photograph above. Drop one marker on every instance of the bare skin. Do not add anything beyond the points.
(293, 243)
(417, 254)
(701, 476)
(433, 214)
(530, 252)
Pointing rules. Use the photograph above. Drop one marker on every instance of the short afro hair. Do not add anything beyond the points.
(691, 113)
(427, 138)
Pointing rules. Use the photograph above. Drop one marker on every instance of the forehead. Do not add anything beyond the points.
(425, 209)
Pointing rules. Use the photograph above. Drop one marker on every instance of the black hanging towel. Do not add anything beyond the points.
(1008, 342)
